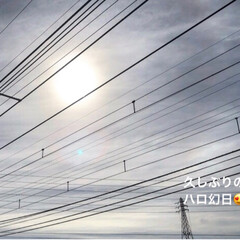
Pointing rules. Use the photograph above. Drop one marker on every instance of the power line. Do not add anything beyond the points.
(137, 99)
(95, 41)
(15, 17)
(180, 129)
(126, 105)
(43, 52)
(49, 37)
(122, 72)
(67, 145)
(107, 205)
(11, 97)
(151, 179)
(134, 168)
(39, 36)
(162, 99)
(146, 82)
(58, 49)
(69, 51)
(132, 190)
(213, 116)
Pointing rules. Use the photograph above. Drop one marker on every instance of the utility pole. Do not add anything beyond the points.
(186, 232)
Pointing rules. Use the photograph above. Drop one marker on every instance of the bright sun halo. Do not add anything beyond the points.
(75, 81)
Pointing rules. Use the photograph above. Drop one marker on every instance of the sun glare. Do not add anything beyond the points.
(75, 81)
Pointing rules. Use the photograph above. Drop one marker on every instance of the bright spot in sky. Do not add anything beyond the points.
(80, 152)
(74, 81)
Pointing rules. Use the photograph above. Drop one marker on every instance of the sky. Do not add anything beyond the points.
(87, 143)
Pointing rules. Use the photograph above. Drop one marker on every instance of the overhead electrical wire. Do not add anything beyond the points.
(36, 225)
(141, 97)
(53, 220)
(139, 183)
(65, 55)
(223, 88)
(131, 169)
(122, 188)
(180, 129)
(49, 37)
(167, 83)
(164, 98)
(15, 17)
(120, 148)
(122, 72)
(45, 50)
(8, 87)
(66, 64)
(40, 35)
(157, 144)
(172, 67)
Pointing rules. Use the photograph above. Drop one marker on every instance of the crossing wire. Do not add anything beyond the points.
(122, 72)
(164, 98)
(40, 35)
(195, 129)
(131, 169)
(122, 118)
(45, 50)
(139, 183)
(89, 23)
(65, 65)
(109, 115)
(168, 134)
(34, 79)
(36, 226)
(141, 97)
(172, 67)
(49, 37)
(122, 188)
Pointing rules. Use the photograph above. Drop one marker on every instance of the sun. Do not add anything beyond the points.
(76, 80)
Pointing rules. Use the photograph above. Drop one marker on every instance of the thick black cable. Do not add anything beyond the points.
(49, 37)
(194, 124)
(108, 205)
(106, 126)
(162, 99)
(132, 185)
(163, 72)
(130, 169)
(65, 55)
(109, 30)
(48, 47)
(127, 105)
(39, 36)
(122, 72)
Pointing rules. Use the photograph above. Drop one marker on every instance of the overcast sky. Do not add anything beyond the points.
(139, 139)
